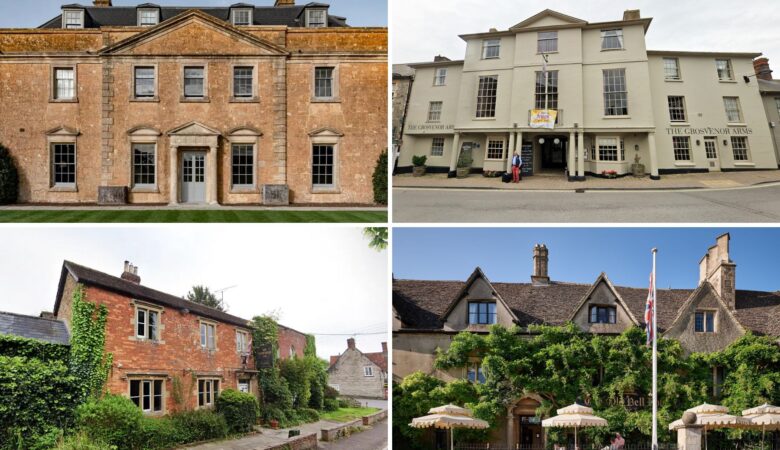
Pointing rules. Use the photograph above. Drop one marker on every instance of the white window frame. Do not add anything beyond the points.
(147, 309)
(490, 44)
(368, 371)
(486, 112)
(677, 109)
(436, 149)
(253, 167)
(334, 77)
(204, 336)
(252, 97)
(678, 77)
(434, 111)
(78, 26)
(728, 110)
(494, 143)
(61, 185)
(250, 16)
(546, 37)
(777, 104)
(440, 76)
(142, 186)
(600, 142)
(146, 10)
(606, 74)
(205, 93)
(605, 37)
(243, 342)
(54, 96)
(133, 78)
(674, 149)
(746, 148)
(312, 24)
(151, 381)
(209, 389)
(728, 67)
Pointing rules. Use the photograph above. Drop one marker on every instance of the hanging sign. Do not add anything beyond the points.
(265, 356)
(543, 118)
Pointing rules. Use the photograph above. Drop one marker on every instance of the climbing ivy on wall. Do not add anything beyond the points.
(89, 362)
(31, 348)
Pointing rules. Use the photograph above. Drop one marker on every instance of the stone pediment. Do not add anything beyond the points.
(143, 130)
(194, 33)
(548, 18)
(63, 131)
(326, 132)
(194, 129)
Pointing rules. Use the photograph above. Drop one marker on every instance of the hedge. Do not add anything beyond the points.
(112, 420)
(380, 179)
(9, 177)
(31, 348)
(240, 409)
(35, 398)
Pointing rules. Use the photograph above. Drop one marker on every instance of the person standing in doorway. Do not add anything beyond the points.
(517, 164)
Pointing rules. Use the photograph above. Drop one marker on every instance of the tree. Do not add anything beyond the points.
(204, 296)
(9, 177)
(377, 236)
(380, 179)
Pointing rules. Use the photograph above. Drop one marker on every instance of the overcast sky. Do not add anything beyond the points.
(322, 279)
(424, 29)
(33, 13)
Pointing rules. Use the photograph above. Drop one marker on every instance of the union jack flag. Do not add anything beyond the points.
(649, 318)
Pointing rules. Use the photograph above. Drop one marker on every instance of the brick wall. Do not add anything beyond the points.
(290, 339)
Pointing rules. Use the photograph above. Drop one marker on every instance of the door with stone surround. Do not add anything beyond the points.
(193, 177)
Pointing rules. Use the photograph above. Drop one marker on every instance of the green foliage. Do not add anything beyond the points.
(204, 296)
(419, 160)
(113, 419)
(380, 179)
(88, 361)
(465, 160)
(239, 409)
(199, 425)
(9, 177)
(308, 415)
(330, 404)
(296, 372)
(36, 397)
(31, 348)
(80, 441)
(159, 433)
(378, 237)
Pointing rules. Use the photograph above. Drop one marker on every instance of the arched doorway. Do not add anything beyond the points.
(529, 433)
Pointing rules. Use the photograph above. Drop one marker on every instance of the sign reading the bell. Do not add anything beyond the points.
(543, 118)
(265, 356)
(631, 402)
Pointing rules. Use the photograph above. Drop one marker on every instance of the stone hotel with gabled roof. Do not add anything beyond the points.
(616, 103)
(146, 104)
(428, 314)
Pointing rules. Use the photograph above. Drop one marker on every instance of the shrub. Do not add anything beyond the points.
(465, 160)
(113, 419)
(30, 348)
(331, 404)
(419, 160)
(239, 409)
(200, 425)
(9, 177)
(80, 441)
(380, 179)
(331, 392)
(348, 402)
(35, 396)
(308, 415)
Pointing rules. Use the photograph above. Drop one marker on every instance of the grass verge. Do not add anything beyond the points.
(191, 216)
(346, 414)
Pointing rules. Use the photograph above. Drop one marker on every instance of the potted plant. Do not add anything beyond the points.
(274, 424)
(609, 173)
(418, 161)
(464, 165)
(638, 169)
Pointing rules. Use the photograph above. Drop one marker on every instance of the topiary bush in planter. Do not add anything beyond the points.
(240, 409)
(418, 161)
(9, 177)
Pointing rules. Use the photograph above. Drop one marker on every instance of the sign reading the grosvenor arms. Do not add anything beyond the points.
(265, 356)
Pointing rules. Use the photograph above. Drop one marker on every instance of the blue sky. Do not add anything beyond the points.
(33, 13)
(580, 254)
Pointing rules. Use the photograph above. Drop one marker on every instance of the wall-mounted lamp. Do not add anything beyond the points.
(541, 140)
(636, 147)
(576, 125)
(725, 142)
(698, 142)
(556, 141)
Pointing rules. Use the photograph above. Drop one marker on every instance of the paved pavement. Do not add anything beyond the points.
(374, 438)
(741, 205)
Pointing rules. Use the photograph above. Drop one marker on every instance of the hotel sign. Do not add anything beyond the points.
(631, 402)
(708, 131)
(430, 127)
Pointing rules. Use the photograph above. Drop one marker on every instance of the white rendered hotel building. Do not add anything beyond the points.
(616, 101)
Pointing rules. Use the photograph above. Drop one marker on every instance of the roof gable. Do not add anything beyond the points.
(193, 33)
(478, 287)
(548, 18)
(603, 292)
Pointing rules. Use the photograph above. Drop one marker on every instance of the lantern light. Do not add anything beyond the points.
(557, 141)
(541, 140)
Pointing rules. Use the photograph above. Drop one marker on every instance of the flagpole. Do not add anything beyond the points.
(655, 360)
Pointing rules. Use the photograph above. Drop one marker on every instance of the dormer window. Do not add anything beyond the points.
(148, 17)
(603, 314)
(482, 313)
(242, 17)
(316, 18)
(73, 18)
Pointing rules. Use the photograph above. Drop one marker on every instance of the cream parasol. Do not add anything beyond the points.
(711, 417)
(574, 416)
(766, 417)
(448, 417)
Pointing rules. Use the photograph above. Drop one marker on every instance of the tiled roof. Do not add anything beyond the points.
(93, 277)
(420, 304)
(380, 359)
(126, 16)
(49, 330)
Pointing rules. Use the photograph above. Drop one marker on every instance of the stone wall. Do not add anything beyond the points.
(307, 442)
(348, 374)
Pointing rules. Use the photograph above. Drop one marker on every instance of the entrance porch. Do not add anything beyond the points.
(193, 164)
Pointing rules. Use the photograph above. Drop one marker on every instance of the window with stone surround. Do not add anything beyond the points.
(64, 87)
(602, 314)
(704, 321)
(482, 313)
(242, 342)
(144, 82)
(208, 335)
(63, 164)
(144, 165)
(147, 323)
(368, 371)
(316, 18)
(194, 86)
(208, 391)
(322, 165)
(242, 17)
(323, 82)
(148, 17)
(243, 165)
(243, 82)
(740, 149)
(147, 394)
(474, 372)
(73, 18)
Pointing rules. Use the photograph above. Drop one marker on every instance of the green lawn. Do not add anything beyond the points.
(190, 216)
(347, 414)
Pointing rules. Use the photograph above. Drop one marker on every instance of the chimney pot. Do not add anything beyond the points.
(284, 3)
(439, 58)
(762, 69)
(103, 3)
(351, 343)
(540, 276)
(631, 14)
(131, 273)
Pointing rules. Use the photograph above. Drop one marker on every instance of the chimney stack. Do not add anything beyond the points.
(384, 347)
(131, 273)
(351, 343)
(631, 14)
(103, 3)
(761, 66)
(284, 3)
(540, 277)
(439, 58)
(717, 268)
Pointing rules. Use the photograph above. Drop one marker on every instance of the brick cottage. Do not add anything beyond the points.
(165, 105)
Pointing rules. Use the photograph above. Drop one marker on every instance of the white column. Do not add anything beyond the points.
(511, 435)
(572, 159)
(510, 149)
(455, 153)
(581, 152)
(211, 186)
(173, 176)
(653, 156)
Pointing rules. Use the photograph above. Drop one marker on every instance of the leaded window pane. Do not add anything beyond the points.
(144, 164)
(63, 164)
(615, 92)
(682, 148)
(612, 39)
(144, 81)
(710, 322)
(323, 82)
(242, 81)
(243, 165)
(486, 96)
(676, 108)
(65, 84)
(193, 81)
(322, 165)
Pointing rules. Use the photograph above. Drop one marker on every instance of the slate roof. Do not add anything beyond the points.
(421, 303)
(769, 85)
(92, 277)
(402, 70)
(48, 330)
(126, 16)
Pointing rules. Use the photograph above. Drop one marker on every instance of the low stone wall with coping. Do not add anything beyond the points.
(374, 418)
(307, 442)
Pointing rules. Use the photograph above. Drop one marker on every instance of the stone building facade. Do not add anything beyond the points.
(578, 98)
(358, 374)
(159, 105)
(428, 314)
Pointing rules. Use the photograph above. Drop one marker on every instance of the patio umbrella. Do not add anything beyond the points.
(574, 416)
(711, 417)
(448, 417)
(765, 416)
